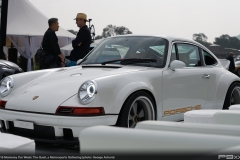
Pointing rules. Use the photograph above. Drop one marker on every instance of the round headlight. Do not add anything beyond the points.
(87, 91)
(6, 86)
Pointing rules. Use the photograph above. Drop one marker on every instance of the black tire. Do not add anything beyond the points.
(232, 96)
(238, 72)
(138, 107)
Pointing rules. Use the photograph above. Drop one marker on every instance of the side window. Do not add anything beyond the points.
(189, 54)
(209, 59)
(173, 54)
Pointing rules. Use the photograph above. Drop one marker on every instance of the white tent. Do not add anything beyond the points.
(26, 26)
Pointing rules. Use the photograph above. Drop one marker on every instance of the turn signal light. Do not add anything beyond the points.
(87, 111)
(80, 110)
(3, 104)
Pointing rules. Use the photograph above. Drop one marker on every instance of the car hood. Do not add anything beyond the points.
(46, 93)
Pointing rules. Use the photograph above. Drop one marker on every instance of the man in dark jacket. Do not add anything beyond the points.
(232, 64)
(54, 57)
(81, 45)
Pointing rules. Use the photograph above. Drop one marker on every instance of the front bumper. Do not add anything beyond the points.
(50, 127)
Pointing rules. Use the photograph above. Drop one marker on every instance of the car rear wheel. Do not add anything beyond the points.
(138, 107)
(238, 72)
(233, 95)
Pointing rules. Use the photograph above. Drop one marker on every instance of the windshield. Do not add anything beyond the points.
(127, 47)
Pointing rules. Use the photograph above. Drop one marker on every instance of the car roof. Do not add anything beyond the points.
(169, 38)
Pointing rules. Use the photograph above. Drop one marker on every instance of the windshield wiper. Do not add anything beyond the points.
(131, 61)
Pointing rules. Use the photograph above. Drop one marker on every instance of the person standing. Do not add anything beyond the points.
(81, 45)
(232, 64)
(53, 57)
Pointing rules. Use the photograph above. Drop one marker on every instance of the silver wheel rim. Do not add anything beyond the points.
(235, 96)
(140, 110)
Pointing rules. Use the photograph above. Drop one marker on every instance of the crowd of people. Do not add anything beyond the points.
(81, 44)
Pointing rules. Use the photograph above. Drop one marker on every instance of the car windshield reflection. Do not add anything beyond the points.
(129, 47)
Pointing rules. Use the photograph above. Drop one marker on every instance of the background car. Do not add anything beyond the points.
(8, 68)
(122, 81)
(66, 50)
(237, 68)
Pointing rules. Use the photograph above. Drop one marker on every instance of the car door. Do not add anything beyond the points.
(185, 88)
(210, 63)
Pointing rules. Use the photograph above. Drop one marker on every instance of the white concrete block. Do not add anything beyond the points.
(234, 107)
(230, 117)
(228, 130)
(114, 140)
(13, 144)
(200, 116)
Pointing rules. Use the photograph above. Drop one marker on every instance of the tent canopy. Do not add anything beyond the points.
(25, 19)
(26, 26)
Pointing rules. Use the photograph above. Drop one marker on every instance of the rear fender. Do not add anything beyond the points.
(222, 87)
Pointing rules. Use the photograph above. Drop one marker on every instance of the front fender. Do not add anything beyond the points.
(126, 91)
(112, 99)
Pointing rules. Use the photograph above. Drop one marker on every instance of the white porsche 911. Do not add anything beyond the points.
(122, 81)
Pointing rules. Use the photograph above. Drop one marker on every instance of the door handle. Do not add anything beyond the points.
(206, 76)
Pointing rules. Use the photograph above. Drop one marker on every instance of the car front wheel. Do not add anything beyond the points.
(233, 95)
(138, 107)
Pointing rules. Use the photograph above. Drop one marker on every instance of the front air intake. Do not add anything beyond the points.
(90, 111)
(64, 110)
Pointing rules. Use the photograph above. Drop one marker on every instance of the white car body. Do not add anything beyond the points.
(36, 95)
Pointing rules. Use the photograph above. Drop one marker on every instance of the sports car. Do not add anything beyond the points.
(122, 81)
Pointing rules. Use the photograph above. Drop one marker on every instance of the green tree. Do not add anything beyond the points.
(201, 38)
(112, 30)
(122, 30)
(108, 31)
(227, 41)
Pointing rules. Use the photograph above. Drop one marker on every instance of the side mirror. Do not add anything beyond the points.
(79, 61)
(177, 64)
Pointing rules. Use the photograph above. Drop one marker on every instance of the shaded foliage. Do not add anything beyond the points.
(122, 30)
(112, 30)
(201, 38)
(227, 41)
(108, 31)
